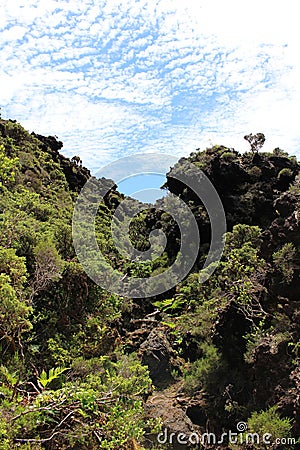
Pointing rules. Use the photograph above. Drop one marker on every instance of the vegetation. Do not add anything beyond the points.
(80, 368)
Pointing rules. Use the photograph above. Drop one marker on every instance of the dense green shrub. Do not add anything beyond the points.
(229, 156)
(270, 422)
(203, 372)
(283, 261)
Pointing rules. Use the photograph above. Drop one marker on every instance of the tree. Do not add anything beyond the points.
(256, 141)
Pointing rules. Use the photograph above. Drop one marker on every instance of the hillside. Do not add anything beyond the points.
(82, 368)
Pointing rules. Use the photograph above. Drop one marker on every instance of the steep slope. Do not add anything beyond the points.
(65, 382)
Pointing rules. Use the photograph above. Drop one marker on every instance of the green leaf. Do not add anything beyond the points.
(11, 377)
(54, 373)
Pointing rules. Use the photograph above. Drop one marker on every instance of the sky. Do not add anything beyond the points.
(115, 78)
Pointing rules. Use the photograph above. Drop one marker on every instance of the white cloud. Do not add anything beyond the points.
(14, 33)
(116, 77)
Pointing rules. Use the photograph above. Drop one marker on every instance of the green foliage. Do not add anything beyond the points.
(58, 350)
(241, 235)
(106, 406)
(295, 350)
(283, 261)
(255, 172)
(171, 306)
(278, 152)
(285, 173)
(53, 316)
(252, 341)
(13, 266)
(229, 156)
(142, 269)
(10, 378)
(14, 314)
(48, 266)
(122, 425)
(8, 166)
(269, 421)
(53, 374)
(4, 438)
(204, 371)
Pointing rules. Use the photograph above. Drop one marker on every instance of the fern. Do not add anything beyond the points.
(53, 374)
(11, 377)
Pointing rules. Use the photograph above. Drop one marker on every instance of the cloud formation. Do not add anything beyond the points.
(112, 78)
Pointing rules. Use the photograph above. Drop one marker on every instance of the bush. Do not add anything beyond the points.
(285, 174)
(202, 371)
(105, 404)
(283, 260)
(269, 421)
(255, 172)
(228, 156)
(278, 152)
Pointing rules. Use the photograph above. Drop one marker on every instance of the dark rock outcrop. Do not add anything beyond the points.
(156, 353)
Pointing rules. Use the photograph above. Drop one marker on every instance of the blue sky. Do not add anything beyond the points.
(113, 78)
(145, 188)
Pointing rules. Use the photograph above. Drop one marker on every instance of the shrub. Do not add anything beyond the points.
(283, 260)
(278, 152)
(202, 371)
(228, 156)
(8, 167)
(285, 174)
(269, 421)
(255, 172)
